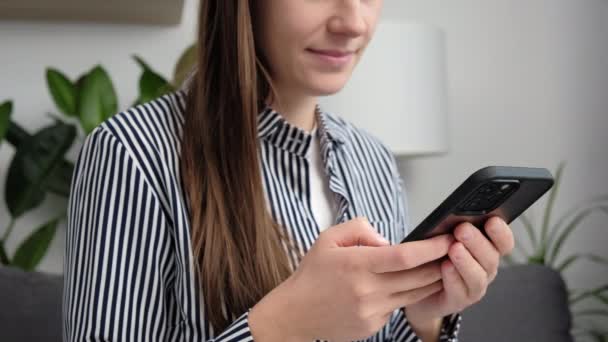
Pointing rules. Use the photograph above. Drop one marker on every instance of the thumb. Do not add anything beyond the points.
(356, 232)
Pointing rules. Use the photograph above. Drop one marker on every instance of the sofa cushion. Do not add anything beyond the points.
(524, 303)
(30, 306)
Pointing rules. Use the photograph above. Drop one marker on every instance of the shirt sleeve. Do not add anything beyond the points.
(117, 270)
(450, 326)
(402, 331)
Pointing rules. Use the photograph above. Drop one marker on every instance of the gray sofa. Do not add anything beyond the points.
(30, 306)
(525, 303)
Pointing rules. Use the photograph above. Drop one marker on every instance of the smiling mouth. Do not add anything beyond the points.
(332, 59)
(333, 53)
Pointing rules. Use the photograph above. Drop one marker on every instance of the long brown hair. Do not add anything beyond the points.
(237, 246)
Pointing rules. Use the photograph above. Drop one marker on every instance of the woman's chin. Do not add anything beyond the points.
(327, 87)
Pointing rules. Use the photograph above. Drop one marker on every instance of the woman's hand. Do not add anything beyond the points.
(348, 285)
(471, 267)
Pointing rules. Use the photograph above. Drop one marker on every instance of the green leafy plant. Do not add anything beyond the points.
(546, 241)
(39, 167)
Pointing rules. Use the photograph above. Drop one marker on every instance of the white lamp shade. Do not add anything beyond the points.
(398, 90)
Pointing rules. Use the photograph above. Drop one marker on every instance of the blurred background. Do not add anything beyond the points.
(526, 85)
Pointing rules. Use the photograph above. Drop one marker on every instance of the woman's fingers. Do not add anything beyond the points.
(405, 298)
(474, 276)
(501, 235)
(480, 248)
(456, 291)
(400, 281)
(407, 255)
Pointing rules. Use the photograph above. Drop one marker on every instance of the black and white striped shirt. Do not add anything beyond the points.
(129, 270)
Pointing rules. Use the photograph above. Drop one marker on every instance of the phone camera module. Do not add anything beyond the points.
(487, 197)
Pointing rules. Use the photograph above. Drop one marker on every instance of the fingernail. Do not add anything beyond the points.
(499, 224)
(459, 249)
(383, 239)
(466, 236)
(450, 267)
(496, 227)
(505, 225)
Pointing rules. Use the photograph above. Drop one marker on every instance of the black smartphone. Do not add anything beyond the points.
(505, 191)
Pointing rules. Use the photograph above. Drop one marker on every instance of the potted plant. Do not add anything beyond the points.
(39, 167)
(547, 240)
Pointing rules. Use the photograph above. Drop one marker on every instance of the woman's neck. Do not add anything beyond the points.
(297, 110)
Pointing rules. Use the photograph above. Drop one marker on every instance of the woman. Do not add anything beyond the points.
(236, 209)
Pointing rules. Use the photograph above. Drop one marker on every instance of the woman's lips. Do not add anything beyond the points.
(332, 57)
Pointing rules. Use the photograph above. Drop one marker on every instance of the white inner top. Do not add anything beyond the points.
(322, 201)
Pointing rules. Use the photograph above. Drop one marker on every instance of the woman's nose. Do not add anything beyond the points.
(348, 19)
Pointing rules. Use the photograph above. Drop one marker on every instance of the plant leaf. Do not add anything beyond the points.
(151, 84)
(6, 108)
(599, 336)
(35, 159)
(142, 63)
(60, 179)
(62, 90)
(591, 312)
(549, 207)
(601, 297)
(530, 230)
(97, 99)
(573, 293)
(596, 258)
(185, 64)
(586, 294)
(564, 217)
(536, 259)
(580, 333)
(33, 249)
(3, 256)
(598, 331)
(567, 262)
(78, 85)
(573, 258)
(563, 235)
(15, 134)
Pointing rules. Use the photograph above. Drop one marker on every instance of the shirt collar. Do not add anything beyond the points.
(273, 127)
